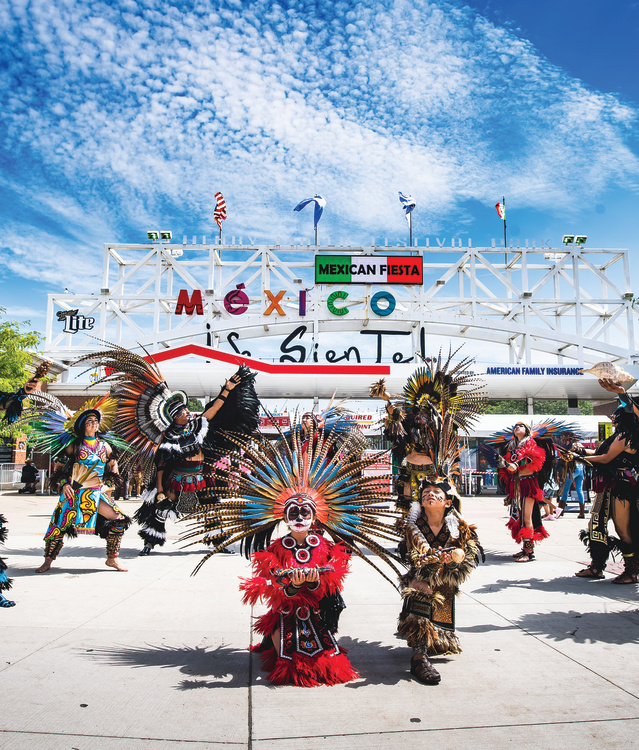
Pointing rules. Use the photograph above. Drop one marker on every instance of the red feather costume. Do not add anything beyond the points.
(528, 456)
(309, 652)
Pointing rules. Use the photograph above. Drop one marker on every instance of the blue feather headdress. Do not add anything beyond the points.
(256, 487)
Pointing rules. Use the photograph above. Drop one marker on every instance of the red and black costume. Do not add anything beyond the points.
(527, 455)
(615, 481)
(300, 575)
(309, 652)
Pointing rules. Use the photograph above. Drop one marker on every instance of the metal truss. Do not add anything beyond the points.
(572, 305)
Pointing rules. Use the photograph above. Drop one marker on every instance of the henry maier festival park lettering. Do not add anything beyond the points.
(358, 269)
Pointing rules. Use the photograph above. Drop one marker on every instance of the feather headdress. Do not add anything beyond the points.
(548, 429)
(349, 505)
(146, 405)
(439, 399)
(142, 395)
(54, 426)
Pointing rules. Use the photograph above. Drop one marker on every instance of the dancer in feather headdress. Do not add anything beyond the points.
(526, 459)
(5, 582)
(300, 575)
(170, 444)
(85, 471)
(334, 419)
(616, 484)
(442, 550)
(439, 400)
(439, 547)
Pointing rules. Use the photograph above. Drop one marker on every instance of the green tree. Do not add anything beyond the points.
(195, 405)
(560, 406)
(541, 406)
(506, 406)
(16, 347)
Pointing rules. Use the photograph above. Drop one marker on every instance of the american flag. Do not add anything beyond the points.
(220, 209)
(501, 210)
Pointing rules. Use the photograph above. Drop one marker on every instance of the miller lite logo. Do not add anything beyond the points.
(73, 322)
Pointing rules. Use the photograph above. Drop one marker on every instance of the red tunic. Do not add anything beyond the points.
(309, 652)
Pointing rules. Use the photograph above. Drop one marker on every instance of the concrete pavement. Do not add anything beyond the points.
(155, 658)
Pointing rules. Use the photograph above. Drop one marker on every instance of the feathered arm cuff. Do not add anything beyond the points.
(61, 474)
(415, 542)
(435, 573)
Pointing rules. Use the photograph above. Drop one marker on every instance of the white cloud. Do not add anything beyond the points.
(140, 111)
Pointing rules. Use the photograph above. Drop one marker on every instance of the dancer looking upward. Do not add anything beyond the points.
(169, 444)
(441, 550)
(616, 484)
(526, 458)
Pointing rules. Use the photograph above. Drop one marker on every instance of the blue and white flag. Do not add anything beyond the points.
(408, 204)
(319, 207)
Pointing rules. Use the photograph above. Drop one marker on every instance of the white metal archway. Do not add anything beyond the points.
(572, 305)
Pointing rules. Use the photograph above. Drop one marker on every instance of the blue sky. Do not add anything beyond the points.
(124, 115)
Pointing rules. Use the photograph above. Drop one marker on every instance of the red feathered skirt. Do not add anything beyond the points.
(528, 487)
(309, 653)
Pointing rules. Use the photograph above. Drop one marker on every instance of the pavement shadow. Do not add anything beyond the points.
(584, 627)
(564, 584)
(58, 567)
(203, 667)
(377, 663)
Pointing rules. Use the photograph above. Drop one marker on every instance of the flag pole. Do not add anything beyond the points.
(316, 235)
(220, 242)
(410, 227)
(504, 204)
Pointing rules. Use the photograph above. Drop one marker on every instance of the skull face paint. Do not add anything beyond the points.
(299, 516)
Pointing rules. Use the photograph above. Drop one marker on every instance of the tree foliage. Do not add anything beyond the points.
(541, 406)
(507, 406)
(16, 347)
(195, 405)
(560, 406)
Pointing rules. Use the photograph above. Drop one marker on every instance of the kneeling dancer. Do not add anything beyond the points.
(441, 550)
(300, 575)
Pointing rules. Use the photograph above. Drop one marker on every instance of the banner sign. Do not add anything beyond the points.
(368, 269)
(281, 420)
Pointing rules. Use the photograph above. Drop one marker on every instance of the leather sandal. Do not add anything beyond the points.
(526, 557)
(625, 578)
(589, 572)
(424, 671)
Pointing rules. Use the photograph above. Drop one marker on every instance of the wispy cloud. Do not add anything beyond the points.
(122, 114)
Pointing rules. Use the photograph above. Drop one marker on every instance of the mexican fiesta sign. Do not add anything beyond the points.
(329, 269)
(365, 269)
